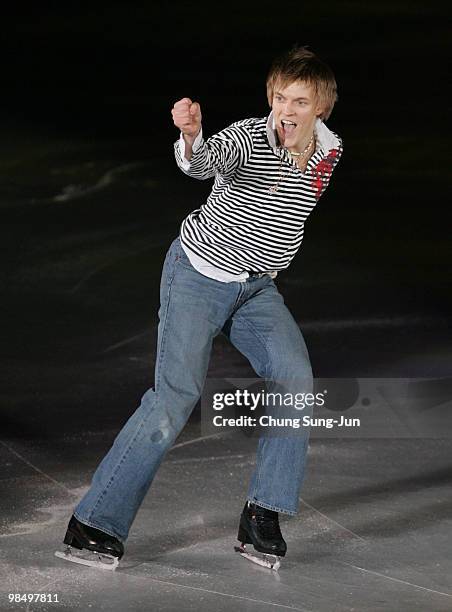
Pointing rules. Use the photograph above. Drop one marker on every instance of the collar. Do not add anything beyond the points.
(325, 138)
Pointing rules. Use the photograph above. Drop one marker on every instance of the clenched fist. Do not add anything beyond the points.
(187, 117)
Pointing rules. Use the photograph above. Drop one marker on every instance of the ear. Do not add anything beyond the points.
(319, 110)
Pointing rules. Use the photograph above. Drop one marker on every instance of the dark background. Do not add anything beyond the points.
(91, 197)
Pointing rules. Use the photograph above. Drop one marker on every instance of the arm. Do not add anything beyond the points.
(222, 153)
(189, 140)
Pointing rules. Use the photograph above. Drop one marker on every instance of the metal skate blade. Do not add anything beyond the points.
(98, 560)
(269, 561)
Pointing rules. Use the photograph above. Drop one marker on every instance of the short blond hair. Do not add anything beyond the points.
(300, 64)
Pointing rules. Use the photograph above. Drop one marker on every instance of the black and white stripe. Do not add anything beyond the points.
(243, 225)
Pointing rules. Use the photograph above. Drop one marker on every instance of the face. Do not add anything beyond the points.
(295, 104)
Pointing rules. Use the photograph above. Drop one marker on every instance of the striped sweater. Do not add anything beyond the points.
(247, 224)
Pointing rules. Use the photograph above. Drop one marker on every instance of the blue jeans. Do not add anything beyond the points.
(193, 310)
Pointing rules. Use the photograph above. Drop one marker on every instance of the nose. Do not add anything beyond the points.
(288, 108)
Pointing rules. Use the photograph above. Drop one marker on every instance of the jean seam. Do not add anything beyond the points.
(259, 337)
(258, 477)
(161, 349)
(265, 340)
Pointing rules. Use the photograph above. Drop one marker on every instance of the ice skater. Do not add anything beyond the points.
(218, 277)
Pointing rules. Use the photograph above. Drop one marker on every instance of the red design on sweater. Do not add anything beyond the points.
(323, 171)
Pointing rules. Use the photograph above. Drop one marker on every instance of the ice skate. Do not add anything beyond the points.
(260, 527)
(89, 546)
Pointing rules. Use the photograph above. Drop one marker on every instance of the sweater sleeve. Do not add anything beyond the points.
(221, 154)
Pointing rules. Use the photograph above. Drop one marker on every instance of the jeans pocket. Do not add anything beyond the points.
(182, 259)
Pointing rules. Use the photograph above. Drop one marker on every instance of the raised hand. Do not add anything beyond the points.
(187, 117)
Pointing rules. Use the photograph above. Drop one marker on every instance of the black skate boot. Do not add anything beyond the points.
(99, 549)
(260, 527)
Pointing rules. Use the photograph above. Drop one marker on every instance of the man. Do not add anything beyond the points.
(218, 277)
